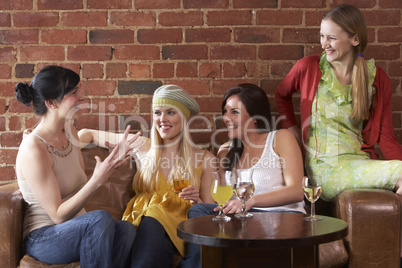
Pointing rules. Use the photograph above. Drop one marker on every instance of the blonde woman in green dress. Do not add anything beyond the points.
(345, 110)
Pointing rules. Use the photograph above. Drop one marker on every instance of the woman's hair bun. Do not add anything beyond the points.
(23, 93)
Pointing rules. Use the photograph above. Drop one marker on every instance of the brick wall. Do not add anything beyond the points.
(125, 49)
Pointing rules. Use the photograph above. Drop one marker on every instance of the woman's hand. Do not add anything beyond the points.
(191, 193)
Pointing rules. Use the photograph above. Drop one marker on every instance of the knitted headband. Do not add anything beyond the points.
(175, 97)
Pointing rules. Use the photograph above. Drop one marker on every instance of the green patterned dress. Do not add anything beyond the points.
(334, 140)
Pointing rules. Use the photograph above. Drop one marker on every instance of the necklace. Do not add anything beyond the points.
(54, 137)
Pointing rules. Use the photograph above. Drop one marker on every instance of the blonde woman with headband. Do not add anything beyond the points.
(156, 209)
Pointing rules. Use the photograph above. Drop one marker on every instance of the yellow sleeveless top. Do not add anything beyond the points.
(164, 205)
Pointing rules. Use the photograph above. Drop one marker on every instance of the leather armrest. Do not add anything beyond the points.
(373, 216)
(11, 216)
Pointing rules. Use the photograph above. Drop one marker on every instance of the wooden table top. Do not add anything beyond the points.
(264, 230)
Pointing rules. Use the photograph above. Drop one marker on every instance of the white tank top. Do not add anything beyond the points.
(70, 177)
(267, 176)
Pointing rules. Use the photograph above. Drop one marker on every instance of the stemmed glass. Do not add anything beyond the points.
(312, 191)
(244, 190)
(222, 191)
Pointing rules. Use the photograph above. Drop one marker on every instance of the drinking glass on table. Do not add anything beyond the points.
(181, 181)
(222, 191)
(244, 190)
(312, 191)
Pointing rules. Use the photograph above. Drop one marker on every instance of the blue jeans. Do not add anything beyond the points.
(193, 256)
(153, 247)
(94, 238)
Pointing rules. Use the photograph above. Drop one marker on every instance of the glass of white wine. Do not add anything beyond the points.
(244, 190)
(222, 191)
(312, 191)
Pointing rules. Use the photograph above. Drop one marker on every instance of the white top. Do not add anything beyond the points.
(70, 176)
(267, 176)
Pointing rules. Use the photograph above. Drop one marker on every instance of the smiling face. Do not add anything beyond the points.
(236, 118)
(68, 105)
(168, 122)
(337, 43)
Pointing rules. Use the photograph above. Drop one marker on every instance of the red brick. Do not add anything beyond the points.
(145, 105)
(137, 52)
(233, 52)
(92, 70)
(303, 4)
(281, 69)
(301, 35)
(389, 4)
(396, 120)
(76, 36)
(188, 4)
(133, 18)
(116, 70)
(7, 156)
(356, 3)
(280, 52)
(8, 173)
(210, 70)
(42, 53)
(157, 4)
(5, 20)
(270, 85)
(2, 106)
(99, 87)
(314, 18)
(278, 17)
(382, 52)
(218, 18)
(36, 19)
(221, 86)
(8, 54)
(210, 105)
(152, 36)
(5, 71)
(31, 122)
(84, 19)
(396, 103)
(396, 69)
(255, 3)
(139, 71)
(234, 70)
(186, 69)
(113, 105)
(163, 70)
(313, 49)
(390, 34)
(395, 85)
(94, 53)
(7, 89)
(11, 139)
(185, 52)
(18, 37)
(208, 35)
(2, 123)
(109, 4)
(191, 18)
(17, 107)
(16, 5)
(194, 87)
(99, 122)
(380, 18)
(256, 35)
(60, 5)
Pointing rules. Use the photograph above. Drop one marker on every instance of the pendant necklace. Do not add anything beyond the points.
(54, 137)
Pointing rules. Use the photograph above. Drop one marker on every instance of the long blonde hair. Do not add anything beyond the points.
(351, 20)
(146, 179)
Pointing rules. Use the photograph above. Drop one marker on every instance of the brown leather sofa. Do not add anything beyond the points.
(373, 217)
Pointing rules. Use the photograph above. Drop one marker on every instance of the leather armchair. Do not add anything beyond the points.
(373, 217)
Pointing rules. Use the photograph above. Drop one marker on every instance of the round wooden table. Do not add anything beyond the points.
(277, 239)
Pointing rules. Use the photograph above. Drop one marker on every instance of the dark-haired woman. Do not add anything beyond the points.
(53, 183)
(274, 156)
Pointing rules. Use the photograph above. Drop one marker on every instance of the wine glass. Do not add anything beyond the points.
(312, 191)
(222, 191)
(244, 190)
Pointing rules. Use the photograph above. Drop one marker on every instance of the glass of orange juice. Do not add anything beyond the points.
(181, 181)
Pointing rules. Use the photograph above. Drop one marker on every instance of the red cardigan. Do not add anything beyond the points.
(306, 74)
